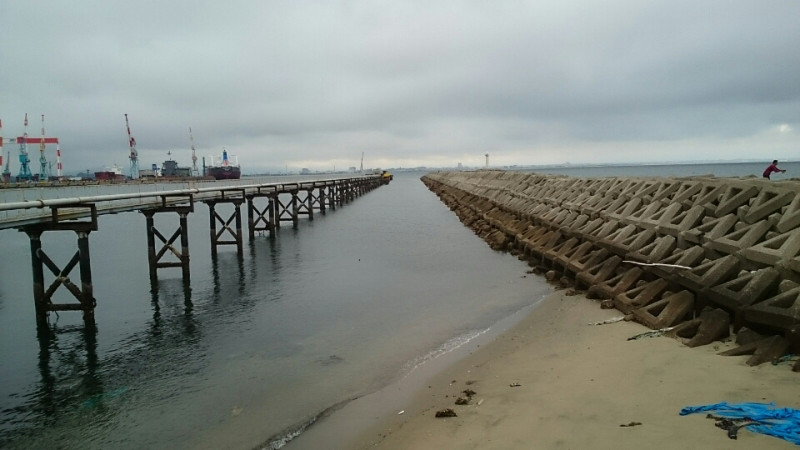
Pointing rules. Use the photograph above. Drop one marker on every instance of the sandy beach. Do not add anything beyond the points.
(556, 382)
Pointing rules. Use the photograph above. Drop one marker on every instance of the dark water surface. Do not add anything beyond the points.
(253, 347)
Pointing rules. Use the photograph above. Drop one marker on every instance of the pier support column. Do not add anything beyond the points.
(351, 190)
(332, 196)
(273, 213)
(295, 208)
(288, 212)
(359, 188)
(261, 219)
(343, 193)
(236, 217)
(321, 200)
(35, 237)
(154, 257)
(87, 288)
(305, 205)
(43, 298)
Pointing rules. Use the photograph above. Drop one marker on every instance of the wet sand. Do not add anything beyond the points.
(555, 382)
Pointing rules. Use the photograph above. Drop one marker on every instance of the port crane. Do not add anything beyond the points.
(195, 171)
(44, 168)
(24, 170)
(134, 156)
(24, 161)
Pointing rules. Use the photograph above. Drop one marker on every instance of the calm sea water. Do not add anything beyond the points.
(253, 347)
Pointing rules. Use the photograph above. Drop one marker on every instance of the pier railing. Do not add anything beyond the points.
(14, 214)
(268, 205)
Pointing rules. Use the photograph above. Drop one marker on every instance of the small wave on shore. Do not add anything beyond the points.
(447, 347)
(283, 438)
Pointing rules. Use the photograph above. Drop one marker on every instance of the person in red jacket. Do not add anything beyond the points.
(772, 168)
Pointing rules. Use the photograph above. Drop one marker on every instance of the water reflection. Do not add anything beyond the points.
(228, 275)
(67, 357)
(172, 289)
(69, 383)
(83, 397)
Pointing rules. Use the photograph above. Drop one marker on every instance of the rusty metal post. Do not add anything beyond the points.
(273, 223)
(151, 245)
(273, 212)
(321, 199)
(185, 246)
(84, 294)
(295, 214)
(351, 191)
(238, 213)
(212, 227)
(38, 275)
(260, 219)
(154, 256)
(251, 223)
(87, 288)
(226, 225)
(310, 203)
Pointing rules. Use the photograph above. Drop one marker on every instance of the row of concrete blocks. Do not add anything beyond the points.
(640, 201)
(657, 296)
(674, 245)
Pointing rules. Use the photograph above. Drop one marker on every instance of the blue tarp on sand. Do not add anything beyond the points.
(783, 423)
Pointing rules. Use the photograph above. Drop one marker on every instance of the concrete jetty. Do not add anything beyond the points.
(698, 258)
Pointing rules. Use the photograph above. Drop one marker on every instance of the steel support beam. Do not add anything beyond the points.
(43, 298)
(234, 234)
(154, 257)
(262, 220)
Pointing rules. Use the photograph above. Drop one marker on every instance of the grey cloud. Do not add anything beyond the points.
(412, 83)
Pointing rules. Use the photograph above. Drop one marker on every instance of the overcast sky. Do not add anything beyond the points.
(292, 83)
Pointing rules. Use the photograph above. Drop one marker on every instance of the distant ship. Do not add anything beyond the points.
(224, 168)
(170, 169)
(113, 173)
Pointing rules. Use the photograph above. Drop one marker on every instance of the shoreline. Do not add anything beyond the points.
(345, 426)
(559, 382)
(579, 386)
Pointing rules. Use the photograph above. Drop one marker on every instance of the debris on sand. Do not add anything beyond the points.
(654, 333)
(468, 393)
(611, 320)
(447, 412)
(631, 424)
